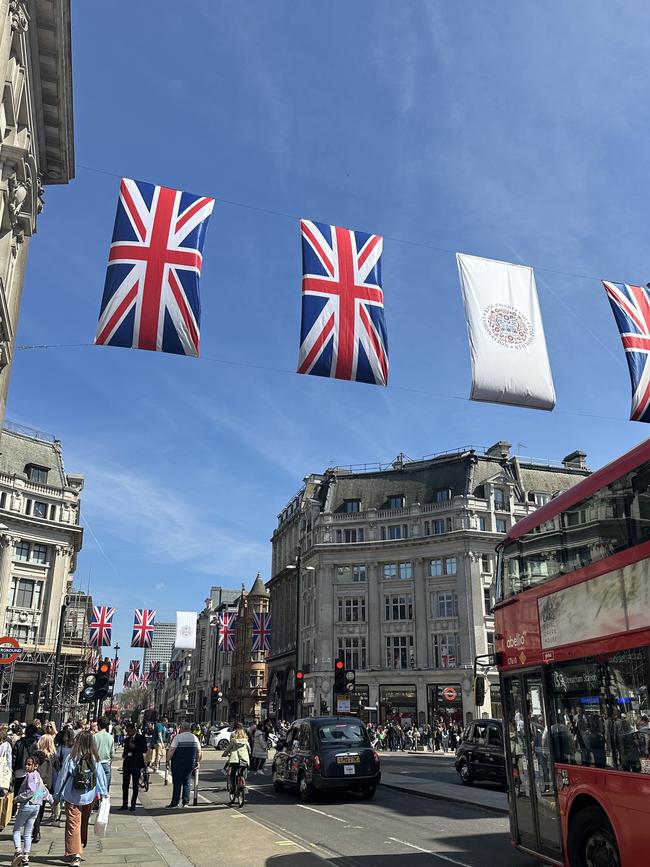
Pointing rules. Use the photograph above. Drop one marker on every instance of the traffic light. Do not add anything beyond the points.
(103, 679)
(350, 680)
(339, 676)
(300, 685)
(479, 690)
(96, 684)
(217, 695)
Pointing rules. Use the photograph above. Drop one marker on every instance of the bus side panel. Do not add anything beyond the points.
(624, 797)
(518, 625)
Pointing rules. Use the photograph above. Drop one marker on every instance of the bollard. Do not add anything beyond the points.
(166, 772)
(196, 787)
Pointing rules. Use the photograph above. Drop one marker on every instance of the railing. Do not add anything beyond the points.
(13, 427)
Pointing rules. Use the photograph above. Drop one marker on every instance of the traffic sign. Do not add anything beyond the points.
(450, 693)
(10, 650)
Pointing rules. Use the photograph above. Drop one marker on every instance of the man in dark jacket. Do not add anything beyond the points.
(135, 746)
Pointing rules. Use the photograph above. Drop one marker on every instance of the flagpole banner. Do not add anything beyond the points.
(506, 334)
(151, 294)
(185, 630)
(343, 330)
(631, 309)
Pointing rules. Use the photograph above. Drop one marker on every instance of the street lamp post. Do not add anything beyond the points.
(298, 568)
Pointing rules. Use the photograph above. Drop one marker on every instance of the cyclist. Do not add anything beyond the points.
(239, 754)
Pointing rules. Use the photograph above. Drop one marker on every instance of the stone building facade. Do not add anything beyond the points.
(36, 141)
(396, 574)
(40, 538)
(247, 689)
(207, 659)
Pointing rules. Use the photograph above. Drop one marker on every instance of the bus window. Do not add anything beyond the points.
(613, 519)
(600, 712)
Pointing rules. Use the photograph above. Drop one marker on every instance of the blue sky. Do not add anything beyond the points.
(513, 131)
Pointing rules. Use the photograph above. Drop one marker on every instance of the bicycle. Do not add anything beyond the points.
(143, 782)
(237, 784)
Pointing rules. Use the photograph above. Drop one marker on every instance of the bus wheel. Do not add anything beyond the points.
(591, 840)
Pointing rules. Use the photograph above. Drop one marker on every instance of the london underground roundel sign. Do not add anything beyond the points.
(449, 693)
(10, 650)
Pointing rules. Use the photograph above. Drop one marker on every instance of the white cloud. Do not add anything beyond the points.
(167, 526)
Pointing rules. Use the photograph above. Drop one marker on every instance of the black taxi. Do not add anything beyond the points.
(481, 753)
(324, 753)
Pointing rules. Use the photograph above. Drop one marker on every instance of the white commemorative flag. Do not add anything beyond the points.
(506, 335)
(185, 630)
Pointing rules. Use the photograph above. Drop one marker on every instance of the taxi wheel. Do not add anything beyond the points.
(223, 744)
(368, 793)
(277, 785)
(465, 774)
(306, 790)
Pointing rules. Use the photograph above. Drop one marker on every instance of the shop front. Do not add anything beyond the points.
(398, 704)
(445, 703)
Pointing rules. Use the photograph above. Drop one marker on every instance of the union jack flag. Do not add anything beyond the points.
(144, 680)
(151, 294)
(227, 630)
(100, 626)
(343, 331)
(631, 308)
(93, 662)
(261, 631)
(154, 669)
(134, 671)
(115, 662)
(174, 669)
(143, 624)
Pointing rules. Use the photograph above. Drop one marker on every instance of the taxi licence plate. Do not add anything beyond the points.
(348, 760)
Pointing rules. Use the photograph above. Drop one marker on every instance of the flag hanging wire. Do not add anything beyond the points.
(409, 242)
(287, 371)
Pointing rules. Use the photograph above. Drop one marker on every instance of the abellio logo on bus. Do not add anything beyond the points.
(516, 641)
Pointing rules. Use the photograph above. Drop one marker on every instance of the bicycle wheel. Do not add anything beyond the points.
(232, 791)
(241, 790)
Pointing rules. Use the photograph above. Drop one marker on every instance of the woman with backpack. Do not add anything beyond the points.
(80, 781)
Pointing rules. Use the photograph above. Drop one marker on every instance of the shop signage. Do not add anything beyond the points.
(10, 650)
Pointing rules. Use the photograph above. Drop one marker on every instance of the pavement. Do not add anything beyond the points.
(433, 775)
(450, 824)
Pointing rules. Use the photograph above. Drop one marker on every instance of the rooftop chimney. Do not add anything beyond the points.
(576, 459)
(499, 450)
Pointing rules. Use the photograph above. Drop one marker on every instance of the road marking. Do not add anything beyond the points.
(429, 852)
(321, 813)
(287, 843)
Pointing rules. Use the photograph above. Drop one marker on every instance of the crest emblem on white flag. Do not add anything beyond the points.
(185, 630)
(506, 334)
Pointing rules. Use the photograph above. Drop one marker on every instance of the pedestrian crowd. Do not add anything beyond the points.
(41, 766)
(397, 736)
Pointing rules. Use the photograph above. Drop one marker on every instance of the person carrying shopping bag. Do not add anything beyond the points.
(33, 793)
(80, 781)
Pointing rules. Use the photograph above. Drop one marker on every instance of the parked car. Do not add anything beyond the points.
(481, 753)
(220, 736)
(324, 753)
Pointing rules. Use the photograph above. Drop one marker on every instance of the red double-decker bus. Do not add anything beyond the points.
(572, 623)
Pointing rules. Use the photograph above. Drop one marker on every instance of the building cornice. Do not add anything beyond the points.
(50, 37)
